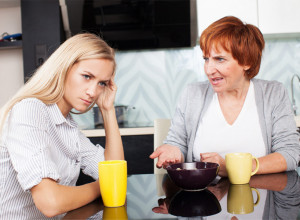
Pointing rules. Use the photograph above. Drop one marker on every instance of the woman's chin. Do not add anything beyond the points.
(218, 90)
(81, 109)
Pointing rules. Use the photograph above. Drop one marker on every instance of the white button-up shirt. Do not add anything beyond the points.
(39, 142)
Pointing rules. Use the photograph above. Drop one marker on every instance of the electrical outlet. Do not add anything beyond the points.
(40, 54)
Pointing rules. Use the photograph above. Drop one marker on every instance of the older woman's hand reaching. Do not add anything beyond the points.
(167, 154)
(214, 157)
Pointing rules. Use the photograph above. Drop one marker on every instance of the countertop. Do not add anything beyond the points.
(138, 129)
(154, 196)
(279, 199)
(125, 129)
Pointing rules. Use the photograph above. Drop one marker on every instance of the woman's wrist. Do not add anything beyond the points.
(107, 113)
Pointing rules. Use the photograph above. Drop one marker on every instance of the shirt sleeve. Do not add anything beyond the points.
(285, 138)
(28, 143)
(177, 135)
(91, 155)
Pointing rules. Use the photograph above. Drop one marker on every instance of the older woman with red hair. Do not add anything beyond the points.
(232, 111)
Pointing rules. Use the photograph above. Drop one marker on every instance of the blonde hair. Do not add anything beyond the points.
(48, 82)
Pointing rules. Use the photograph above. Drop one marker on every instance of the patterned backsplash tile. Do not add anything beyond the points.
(152, 81)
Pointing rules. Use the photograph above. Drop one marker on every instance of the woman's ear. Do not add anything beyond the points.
(247, 67)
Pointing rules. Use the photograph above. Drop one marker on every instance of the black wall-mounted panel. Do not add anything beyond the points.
(136, 24)
(42, 32)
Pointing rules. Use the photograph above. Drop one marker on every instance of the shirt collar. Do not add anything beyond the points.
(58, 117)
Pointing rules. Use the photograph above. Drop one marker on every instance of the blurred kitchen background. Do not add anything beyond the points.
(152, 80)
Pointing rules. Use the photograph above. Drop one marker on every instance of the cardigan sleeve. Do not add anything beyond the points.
(285, 138)
(177, 135)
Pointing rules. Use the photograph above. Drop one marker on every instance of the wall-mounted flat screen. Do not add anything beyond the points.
(135, 24)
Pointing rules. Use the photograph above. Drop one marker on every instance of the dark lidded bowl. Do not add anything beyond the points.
(194, 175)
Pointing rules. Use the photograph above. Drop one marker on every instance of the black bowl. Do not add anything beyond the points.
(192, 204)
(193, 176)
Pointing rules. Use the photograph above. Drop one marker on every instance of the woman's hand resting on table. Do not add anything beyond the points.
(167, 154)
(215, 158)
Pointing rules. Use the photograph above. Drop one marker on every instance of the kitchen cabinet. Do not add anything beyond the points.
(212, 10)
(278, 16)
(137, 149)
(273, 17)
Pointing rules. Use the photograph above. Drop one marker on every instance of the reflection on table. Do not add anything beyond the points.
(150, 196)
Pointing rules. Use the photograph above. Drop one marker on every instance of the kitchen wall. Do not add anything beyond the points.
(11, 60)
(152, 81)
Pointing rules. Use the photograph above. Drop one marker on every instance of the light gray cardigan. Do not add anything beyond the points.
(274, 110)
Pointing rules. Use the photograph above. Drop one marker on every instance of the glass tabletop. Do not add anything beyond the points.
(154, 196)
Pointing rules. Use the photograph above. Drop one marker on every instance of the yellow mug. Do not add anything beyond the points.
(113, 182)
(115, 213)
(239, 167)
(240, 199)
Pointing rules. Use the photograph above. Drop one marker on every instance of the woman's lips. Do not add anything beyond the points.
(216, 81)
(86, 102)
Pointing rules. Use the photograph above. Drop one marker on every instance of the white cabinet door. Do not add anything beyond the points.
(279, 16)
(212, 10)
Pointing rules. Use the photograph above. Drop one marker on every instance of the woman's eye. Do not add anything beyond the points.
(102, 84)
(220, 59)
(205, 58)
(86, 76)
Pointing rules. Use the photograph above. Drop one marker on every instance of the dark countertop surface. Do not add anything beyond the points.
(154, 196)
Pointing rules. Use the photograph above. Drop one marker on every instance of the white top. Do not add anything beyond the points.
(214, 134)
(39, 142)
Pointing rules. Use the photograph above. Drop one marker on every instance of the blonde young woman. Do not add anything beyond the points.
(41, 149)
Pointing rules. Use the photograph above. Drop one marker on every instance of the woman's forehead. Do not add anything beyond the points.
(215, 47)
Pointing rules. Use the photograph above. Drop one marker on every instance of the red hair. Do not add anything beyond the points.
(244, 41)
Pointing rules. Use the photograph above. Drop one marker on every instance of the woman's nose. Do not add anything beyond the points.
(91, 91)
(210, 67)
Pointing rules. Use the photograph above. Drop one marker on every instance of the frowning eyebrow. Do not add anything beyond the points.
(93, 76)
(88, 72)
(104, 81)
(219, 56)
